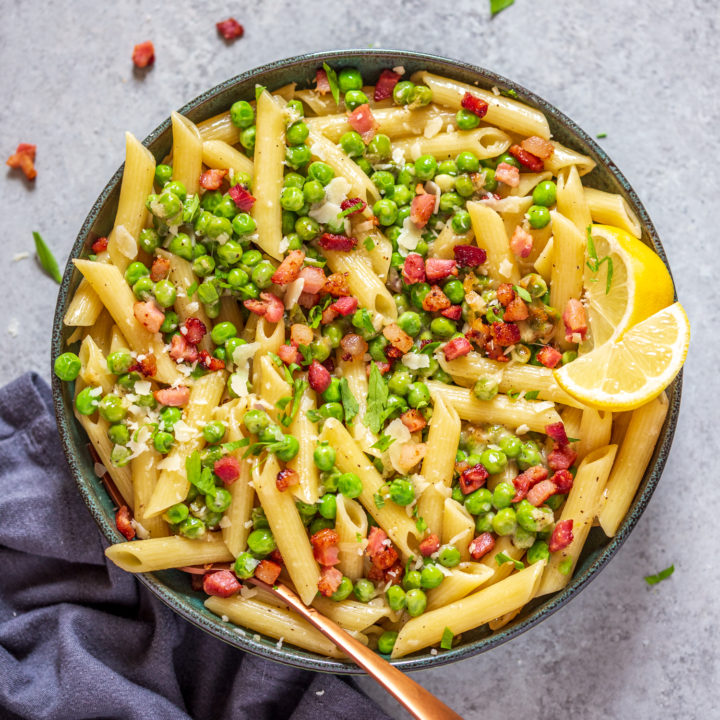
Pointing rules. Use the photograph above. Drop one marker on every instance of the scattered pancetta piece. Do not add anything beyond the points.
(227, 468)
(436, 300)
(331, 241)
(345, 305)
(173, 396)
(477, 106)
(143, 54)
(230, 29)
(521, 242)
(413, 420)
(385, 85)
(160, 268)
(516, 310)
(454, 312)
(413, 269)
(439, 269)
(362, 121)
(314, 279)
(322, 84)
(469, 255)
(505, 294)
(421, 209)
(508, 174)
(353, 346)
(563, 480)
(181, 350)
(286, 478)
(549, 356)
(325, 546)
(357, 205)
(318, 377)
(410, 455)
(100, 245)
(24, 159)
(241, 197)
(575, 319)
(539, 493)
(329, 582)
(527, 479)
(473, 478)
(336, 285)
(268, 571)
(300, 334)
(289, 354)
(123, 522)
(530, 161)
(429, 545)
(481, 545)
(222, 583)
(505, 334)
(556, 431)
(208, 362)
(380, 550)
(149, 315)
(289, 268)
(398, 338)
(538, 146)
(212, 179)
(145, 364)
(195, 330)
(268, 306)
(456, 348)
(561, 536)
(561, 457)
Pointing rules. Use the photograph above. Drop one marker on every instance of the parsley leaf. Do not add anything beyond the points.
(377, 399)
(502, 558)
(513, 394)
(259, 89)
(421, 525)
(447, 639)
(316, 311)
(192, 289)
(198, 476)
(350, 210)
(508, 93)
(659, 577)
(333, 82)
(565, 566)
(523, 293)
(383, 443)
(430, 348)
(313, 416)
(594, 263)
(229, 447)
(532, 395)
(190, 208)
(379, 500)
(306, 352)
(497, 6)
(600, 136)
(282, 403)
(362, 321)
(369, 244)
(349, 403)
(299, 387)
(46, 258)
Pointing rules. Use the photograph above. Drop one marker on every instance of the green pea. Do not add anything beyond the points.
(396, 405)
(380, 147)
(307, 511)
(247, 138)
(493, 460)
(386, 211)
(296, 106)
(350, 485)
(256, 421)
(214, 431)
(464, 186)
(334, 333)
(242, 114)
(443, 327)
(297, 133)
(418, 292)
(251, 257)
(402, 491)
(386, 642)
(403, 92)
(343, 591)
(401, 195)
(313, 192)
(383, 181)
(449, 556)
(490, 183)
(259, 520)
(504, 522)
(261, 542)
(146, 401)
(354, 99)
(534, 519)
(297, 156)
(409, 322)
(324, 457)
(450, 201)
(198, 250)
(112, 408)
(232, 345)
(568, 356)
(149, 240)
(208, 294)
(349, 78)
(135, 271)
(219, 501)
(181, 245)
(479, 502)
(466, 120)
(163, 442)
(176, 513)
(245, 565)
(503, 494)
(203, 265)
(128, 380)
(538, 216)
(510, 445)
(421, 96)
(418, 395)
(321, 172)
(120, 455)
(163, 173)
(177, 188)
(508, 159)
(396, 260)
(222, 332)
(167, 205)
(332, 393)
(294, 241)
(67, 366)
(376, 348)
(425, 167)
(411, 580)
(483, 523)
(165, 293)
(201, 223)
(467, 162)
(226, 208)
(406, 176)
(545, 193)
(406, 212)
(210, 200)
(523, 538)
(364, 590)
(352, 144)
(243, 224)
(330, 480)
(327, 506)
(395, 598)
(118, 434)
(529, 455)
(292, 198)
(538, 551)
(307, 228)
(262, 274)
(486, 388)
(192, 528)
(416, 602)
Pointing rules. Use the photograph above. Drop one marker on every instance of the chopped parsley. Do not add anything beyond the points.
(600, 136)
(430, 348)
(377, 400)
(299, 387)
(190, 208)
(447, 639)
(497, 6)
(513, 394)
(333, 82)
(316, 311)
(379, 500)
(659, 577)
(363, 322)
(46, 258)
(369, 244)
(383, 443)
(565, 566)
(192, 289)
(523, 293)
(532, 395)
(350, 209)
(421, 525)
(259, 89)
(229, 447)
(349, 403)
(198, 476)
(594, 263)
(502, 558)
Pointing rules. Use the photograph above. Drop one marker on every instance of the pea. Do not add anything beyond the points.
(523, 538)
(256, 421)
(409, 322)
(508, 159)
(464, 186)
(219, 501)
(247, 138)
(343, 591)
(226, 208)
(118, 434)
(443, 327)
(450, 201)
(232, 345)
(449, 556)
(313, 192)
(135, 271)
(163, 441)
(483, 523)
(181, 245)
(401, 195)
(529, 455)
(504, 522)
(395, 597)
(261, 542)
(203, 265)
(403, 92)
(350, 485)
(163, 173)
(411, 581)
(245, 565)
(364, 590)
(192, 527)
(416, 602)
(176, 513)
(380, 147)
(67, 366)
(386, 211)
(297, 133)
(128, 380)
(396, 260)
(503, 494)
(538, 551)
(386, 642)
(165, 293)
(352, 144)
(418, 292)
(242, 114)
(418, 395)
(167, 205)
(149, 240)
(510, 445)
(402, 491)
(321, 172)
(294, 241)
(568, 356)
(120, 455)
(332, 393)
(538, 216)
(210, 200)
(376, 348)
(292, 198)
(251, 257)
(354, 99)
(466, 120)
(307, 228)
(467, 162)
(289, 448)
(208, 294)
(112, 408)
(493, 460)
(479, 501)
(334, 333)
(296, 106)
(243, 224)
(421, 96)
(486, 388)
(425, 167)
(383, 181)
(324, 457)
(545, 193)
(214, 431)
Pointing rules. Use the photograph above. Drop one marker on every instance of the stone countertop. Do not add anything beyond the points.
(646, 73)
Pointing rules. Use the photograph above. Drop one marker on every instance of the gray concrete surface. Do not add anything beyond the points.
(645, 72)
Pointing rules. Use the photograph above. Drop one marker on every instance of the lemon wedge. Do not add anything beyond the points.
(627, 373)
(640, 285)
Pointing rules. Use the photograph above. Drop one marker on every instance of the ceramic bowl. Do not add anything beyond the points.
(173, 587)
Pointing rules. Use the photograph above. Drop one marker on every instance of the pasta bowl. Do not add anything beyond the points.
(174, 587)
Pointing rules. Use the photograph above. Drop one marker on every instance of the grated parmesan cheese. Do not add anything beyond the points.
(225, 522)
(184, 432)
(225, 618)
(17, 257)
(522, 429)
(13, 328)
(171, 462)
(409, 237)
(433, 127)
(415, 150)
(293, 292)
(505, 268)
(415, 361)
(398, 156)
(399, 69)
(143, 387)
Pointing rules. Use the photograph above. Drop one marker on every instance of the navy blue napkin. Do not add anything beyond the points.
(80, 638)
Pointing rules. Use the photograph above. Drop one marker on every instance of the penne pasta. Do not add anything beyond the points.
(187, 153)
(219, 154)
(484, 142)
(612, 209)
(490, 234)
(351, 526)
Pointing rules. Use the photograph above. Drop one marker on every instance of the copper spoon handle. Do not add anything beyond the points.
(416, 699)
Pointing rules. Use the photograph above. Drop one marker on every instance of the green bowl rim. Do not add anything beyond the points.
(288, 654)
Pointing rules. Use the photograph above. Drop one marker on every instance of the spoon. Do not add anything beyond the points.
(422, 704)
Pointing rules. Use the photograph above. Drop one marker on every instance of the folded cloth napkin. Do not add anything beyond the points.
(80, 638)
